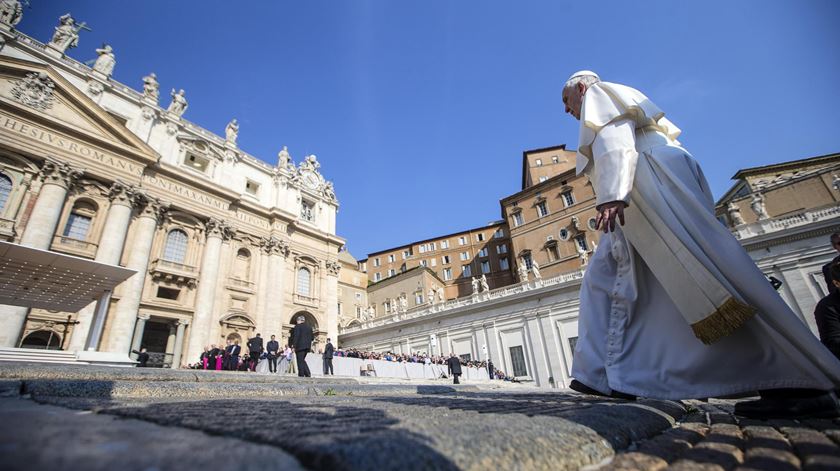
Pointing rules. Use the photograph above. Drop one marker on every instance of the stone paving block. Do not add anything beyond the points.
(10, 388)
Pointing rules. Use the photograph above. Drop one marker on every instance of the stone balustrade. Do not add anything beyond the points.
(767, 226)
(484, 297)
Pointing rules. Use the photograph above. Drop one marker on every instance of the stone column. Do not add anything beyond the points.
(109, 251)
(179, 344)
(125, 314)
(207, 285)
(40, 229)
(272, 321)
(333, 267)
(170, 341)
(139, 327)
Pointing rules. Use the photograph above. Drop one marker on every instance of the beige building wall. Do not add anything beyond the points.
(414, 285)
(454, 258)
(352, 291)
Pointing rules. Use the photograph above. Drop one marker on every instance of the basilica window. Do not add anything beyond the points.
(304, 281)
(242, 266)
(307, 211)
(196, 162)
(176, 246)
(517, 359)
(5, 189)
(252, 188)
(78, 223)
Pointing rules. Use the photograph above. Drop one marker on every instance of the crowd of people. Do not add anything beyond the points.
(415, 357)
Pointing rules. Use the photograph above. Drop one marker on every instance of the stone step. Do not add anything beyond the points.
(6, 352)
(54, 361)
(209, 390)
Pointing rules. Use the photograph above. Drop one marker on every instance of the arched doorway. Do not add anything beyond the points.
(233, 337)
(42, 339)
(320, 336)
(237, 326)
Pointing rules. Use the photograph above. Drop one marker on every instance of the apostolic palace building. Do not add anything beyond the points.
(225, 246)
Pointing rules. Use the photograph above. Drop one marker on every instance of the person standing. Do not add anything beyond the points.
(490, 369)
(273, 347)
(235, 351)
(671, 306)
(255, 348)
(827, 314)
(826, 269)
(142, 357)
(453, 364)
(329, 350)
(289, 353)
(301, 341)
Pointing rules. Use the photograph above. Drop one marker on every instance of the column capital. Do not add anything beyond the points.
(333, 267)
(144, 316)
(217, 228)
(274, 246)
(150, 206)
(60, 173)
(182, 322)
(121, 194)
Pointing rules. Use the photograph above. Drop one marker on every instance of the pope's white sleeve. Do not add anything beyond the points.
(614, 155)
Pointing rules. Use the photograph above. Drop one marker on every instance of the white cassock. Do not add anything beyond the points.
(657, 284)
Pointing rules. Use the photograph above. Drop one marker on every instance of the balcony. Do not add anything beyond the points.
(73, 246)
(305, 300)
(173, 272)
(241, 285)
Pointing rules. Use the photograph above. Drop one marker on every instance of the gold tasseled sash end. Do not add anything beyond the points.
(726, 319)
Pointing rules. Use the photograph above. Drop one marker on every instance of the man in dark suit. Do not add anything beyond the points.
(142, 357)
(826, 269)
(255, 348)
(328, 356)
(272, 348)
(490, 369)
(235, 351)
(827, 314)
(453, 363)
(301, 342)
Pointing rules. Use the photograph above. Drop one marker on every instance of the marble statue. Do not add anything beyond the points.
(440, 294)
(584, 257)
(403, 302)
(535, 268)
(151, 87)
(523, 273)
(734, 214)
(179, 103)
(329, 191)
(310, 162)
(66, 35)
(484, 286)
(232, 131)
(758, 206)
(576, 223)
(431, 296)
(106, 61)
(371, 312)
(835, 182)
(475, 286)
(10, 12)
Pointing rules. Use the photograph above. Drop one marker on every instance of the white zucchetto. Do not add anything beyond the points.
(581, 73)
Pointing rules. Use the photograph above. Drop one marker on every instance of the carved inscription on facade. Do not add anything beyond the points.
(171, 187)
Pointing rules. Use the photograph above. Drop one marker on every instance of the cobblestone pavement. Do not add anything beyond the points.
(331, 424)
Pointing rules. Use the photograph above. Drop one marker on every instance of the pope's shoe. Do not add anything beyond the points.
(584, 389)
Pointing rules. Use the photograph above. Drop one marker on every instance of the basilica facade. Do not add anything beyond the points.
(225, 246)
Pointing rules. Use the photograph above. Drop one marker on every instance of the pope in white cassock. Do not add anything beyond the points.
(671, 306)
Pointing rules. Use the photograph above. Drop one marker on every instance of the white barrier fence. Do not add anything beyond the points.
(344, 366)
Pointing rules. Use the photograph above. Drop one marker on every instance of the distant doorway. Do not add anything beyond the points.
(155, 336)
(42, 339)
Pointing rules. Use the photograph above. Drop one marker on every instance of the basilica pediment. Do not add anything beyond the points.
(36, 95)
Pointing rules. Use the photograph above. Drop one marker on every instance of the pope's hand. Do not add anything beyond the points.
(607, 213)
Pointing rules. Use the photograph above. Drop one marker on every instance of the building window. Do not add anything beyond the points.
(447, 274)
(445, 260)
(568, 198)
(479, 237)
(377, 276)
(504, 264)
(554, 159)
(304, 281)
(462, 240)
(5, 189)
(591, 224)
(406, 254)
(517, 219)
(422, 249)
(485, 266)
(251, 187)
(432, 246)
(391, 258)
(176, 246)
(498, 234)
(465, 255)
(358, 311)
(542, 210)
(444, 244)
(564, 234)
(483, 252)
(358, 296)
(418, 298)
(168, 293)
(78, 223)
(196, 162)
(242, 265)
(543, 178)
(307, 211)
(338, 307)
(422, 263)
(573, 343)
(500, 249)
(517, 358)
(466, 270)
(391, 272)
(434, 262)
(376, 262)
(526, 259)
(581, 242)
(553, 253)
(538, 162)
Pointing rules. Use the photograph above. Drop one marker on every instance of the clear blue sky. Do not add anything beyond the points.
(419, 110)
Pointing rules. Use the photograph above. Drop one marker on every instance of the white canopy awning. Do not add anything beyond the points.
(48, 280)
